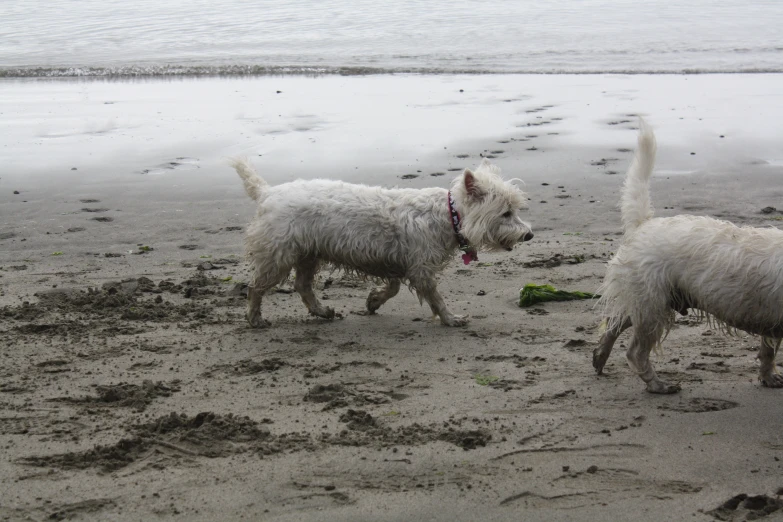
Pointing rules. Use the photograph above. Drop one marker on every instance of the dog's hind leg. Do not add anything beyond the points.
(601, 353)
(254, 295)
(427, 289)
(263, 281)
(378, 296)
(644, 338)
(303, 284)
(768, 372)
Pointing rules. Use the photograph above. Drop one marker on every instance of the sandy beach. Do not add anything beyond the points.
(132, 388)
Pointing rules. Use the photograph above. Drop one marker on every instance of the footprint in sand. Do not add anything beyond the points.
(698, 405)
(181, 163)
(746, 507)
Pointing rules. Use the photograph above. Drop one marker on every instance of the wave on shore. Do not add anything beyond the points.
(152, 71)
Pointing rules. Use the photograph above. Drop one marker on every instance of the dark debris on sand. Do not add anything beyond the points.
(205, 434)
(745, 507)
(126, 395)
(362, 429)
(212, 435)
(247, 367)
(68, 309)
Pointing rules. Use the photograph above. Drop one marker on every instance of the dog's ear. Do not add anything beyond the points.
(472, 185)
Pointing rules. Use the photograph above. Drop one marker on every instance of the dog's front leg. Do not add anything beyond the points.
(254, 296)
(768, 372)
(427, 289)
(601, 353)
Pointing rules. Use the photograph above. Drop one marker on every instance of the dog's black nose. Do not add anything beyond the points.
(527, 237)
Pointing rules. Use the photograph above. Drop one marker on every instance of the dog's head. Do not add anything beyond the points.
(490, 208)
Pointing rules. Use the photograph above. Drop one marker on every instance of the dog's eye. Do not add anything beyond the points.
(507, 214)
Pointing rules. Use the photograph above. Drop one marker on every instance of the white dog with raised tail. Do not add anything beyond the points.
(396, 235)
(731, 275)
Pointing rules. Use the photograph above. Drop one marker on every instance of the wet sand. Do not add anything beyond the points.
(131, 386)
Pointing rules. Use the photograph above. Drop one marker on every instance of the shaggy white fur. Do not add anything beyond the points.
(392, 234)
(731, 275)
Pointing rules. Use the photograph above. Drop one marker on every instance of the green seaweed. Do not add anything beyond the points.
(533, 294)
(485, 380)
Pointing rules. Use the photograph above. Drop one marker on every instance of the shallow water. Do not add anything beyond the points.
(377, 128)
(109, 37)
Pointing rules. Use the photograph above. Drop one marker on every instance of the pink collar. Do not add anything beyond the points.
(470, 253)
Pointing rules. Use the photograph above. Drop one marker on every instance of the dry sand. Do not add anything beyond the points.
(131, 387)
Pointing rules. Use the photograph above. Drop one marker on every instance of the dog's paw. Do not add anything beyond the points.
(455, 320)
(773, 380)
(375, 300)
(663, 388)
(599, 360)
(325, 312)
(258, 322)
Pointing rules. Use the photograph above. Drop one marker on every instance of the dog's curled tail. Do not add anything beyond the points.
(635, 204)
(255, 187)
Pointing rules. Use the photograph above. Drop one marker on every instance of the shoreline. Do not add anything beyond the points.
(190, 72)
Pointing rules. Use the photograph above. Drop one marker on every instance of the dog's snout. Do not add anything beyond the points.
(528, 236)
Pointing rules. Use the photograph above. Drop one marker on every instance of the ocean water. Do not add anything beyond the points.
(237, 37)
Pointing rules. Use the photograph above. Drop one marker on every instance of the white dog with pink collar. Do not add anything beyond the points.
(396, 235)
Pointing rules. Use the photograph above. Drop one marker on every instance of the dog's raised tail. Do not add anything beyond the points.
(254, 186)
(635, 204)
